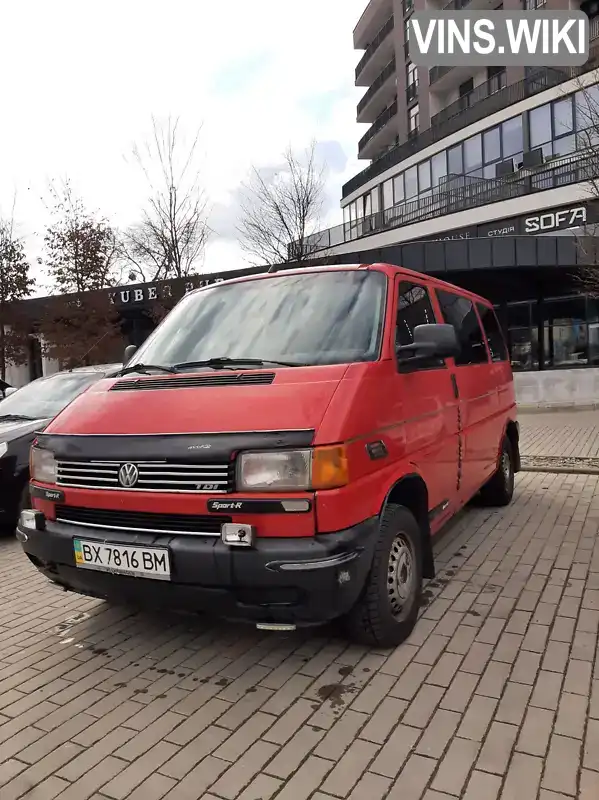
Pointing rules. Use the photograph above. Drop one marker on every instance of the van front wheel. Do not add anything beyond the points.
(387, 610)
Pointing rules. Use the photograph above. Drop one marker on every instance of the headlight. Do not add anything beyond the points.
(3, 449)
(292, 470)
(42, 465)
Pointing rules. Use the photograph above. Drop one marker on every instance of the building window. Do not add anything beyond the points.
(424, 176)
(412, 81)
(459, 312)
(412, 73)
(565, 332)
(408, 6)
(388, 194)
(586, 105)
(398, 189)
(473, 155)
(492, 145)
(439, 168)
(466, 87)
(455, 160)
(512, 138)
(531, 5)
(411, 181)
(552, 128)
(493, 333)
(413, 120)
(539, 122)
(496, 79)
(374, 202)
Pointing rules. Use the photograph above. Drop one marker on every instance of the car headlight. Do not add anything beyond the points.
(3, 449)
(42, 465)
(292, 470)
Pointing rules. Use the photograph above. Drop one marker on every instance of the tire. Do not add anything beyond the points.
(500, 489)
(387, 610)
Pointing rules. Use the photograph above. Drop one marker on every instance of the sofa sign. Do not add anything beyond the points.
(556, 220)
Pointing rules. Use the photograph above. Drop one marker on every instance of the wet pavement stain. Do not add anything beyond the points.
(335, 693)
(221, 681)
(345, 671)
(251, 690)
(473, 613)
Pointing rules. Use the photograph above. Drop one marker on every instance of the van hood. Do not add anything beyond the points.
(296, 399)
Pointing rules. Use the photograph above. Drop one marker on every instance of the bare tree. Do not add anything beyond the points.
(15, 285)
(81, 249)
(170, 239)
(80, 325)
(281, 210)
(583, 165)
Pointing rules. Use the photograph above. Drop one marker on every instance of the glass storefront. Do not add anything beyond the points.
(554, 333)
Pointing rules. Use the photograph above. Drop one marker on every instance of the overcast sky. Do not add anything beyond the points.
(81, 80)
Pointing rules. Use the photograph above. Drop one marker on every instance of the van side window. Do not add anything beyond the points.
(493, 333)
(459, 312)
(414, 307)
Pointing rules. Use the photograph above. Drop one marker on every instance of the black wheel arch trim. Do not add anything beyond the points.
(423, 519)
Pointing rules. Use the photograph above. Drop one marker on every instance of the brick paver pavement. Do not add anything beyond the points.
(565, 434)
(496, 694)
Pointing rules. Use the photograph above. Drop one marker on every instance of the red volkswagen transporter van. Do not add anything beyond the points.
(282, 449)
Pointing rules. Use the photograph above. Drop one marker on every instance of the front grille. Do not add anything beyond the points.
(141, 521)
(193, 381)
(154, 476)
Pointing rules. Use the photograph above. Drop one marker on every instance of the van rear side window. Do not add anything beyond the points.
(459, 312)
(493, 333)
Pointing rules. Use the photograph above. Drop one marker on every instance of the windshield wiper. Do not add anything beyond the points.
(17, 418)
(224, 361)
(145, 369)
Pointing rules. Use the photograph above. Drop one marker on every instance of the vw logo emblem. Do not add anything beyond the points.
(128, 475)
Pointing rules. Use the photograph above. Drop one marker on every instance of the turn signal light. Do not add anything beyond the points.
(329, 467)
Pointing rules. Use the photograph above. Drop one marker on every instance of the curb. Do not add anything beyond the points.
(545, 408)
(562, 470)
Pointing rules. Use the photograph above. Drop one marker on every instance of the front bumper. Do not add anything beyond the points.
(298, 581)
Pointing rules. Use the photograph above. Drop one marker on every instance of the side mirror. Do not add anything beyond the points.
(130, 350)
(10, 390)
(430, 341)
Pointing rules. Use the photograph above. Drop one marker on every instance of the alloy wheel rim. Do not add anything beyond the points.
(400, 577)
(506, 467)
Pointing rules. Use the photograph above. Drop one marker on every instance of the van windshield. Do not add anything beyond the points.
(331, 317)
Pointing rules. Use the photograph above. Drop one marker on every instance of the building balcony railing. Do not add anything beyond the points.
(461, 192)
(544, 78)
(380, 81)
(412, 91)
(456, 5)
(480, 92)
(378, 125)
(435, 73)
(374, 45)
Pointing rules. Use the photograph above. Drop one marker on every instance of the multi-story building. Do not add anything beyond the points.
(481, 175)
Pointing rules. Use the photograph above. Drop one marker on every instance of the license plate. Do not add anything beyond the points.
(123, 559)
